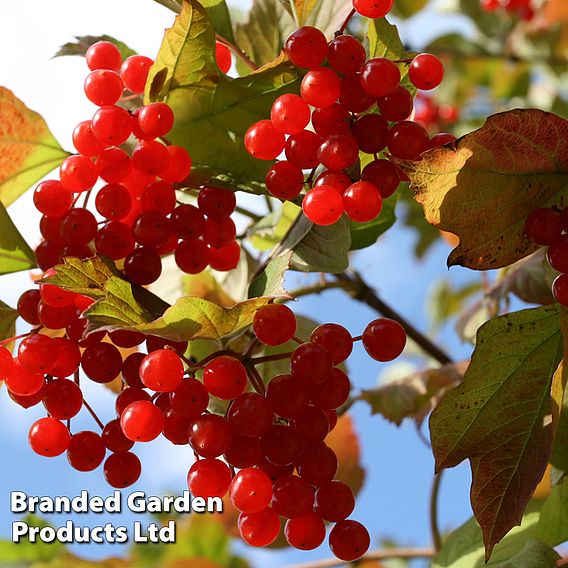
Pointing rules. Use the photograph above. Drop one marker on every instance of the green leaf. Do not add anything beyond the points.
(270, 282)
(447, 300)
(173, 5)
(502, 171)
(323, 249)
(384, 41)
(15, 253)
(28, 150)
(502, 418)
(220, 18)
(539, 530)
(82, 43)
(272, 228)
(407, 8)
(214, 108)
(364, 235)
(8, 317)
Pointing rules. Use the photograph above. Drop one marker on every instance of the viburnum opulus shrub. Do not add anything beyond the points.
(328, 131)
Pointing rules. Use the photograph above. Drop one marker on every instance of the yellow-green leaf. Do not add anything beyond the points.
(8, 317)
(28, 150)
(483, 188)
(15, 253)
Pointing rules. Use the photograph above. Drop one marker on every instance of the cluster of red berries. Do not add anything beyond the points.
(141, 220)
(274, 436)
(518, 8)
(549, 227)
(336, 99)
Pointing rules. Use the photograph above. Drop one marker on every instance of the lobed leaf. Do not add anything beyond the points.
(503, 416)
(270, 282)
(82, 43)
(483, 187)
(28, 150)
(15, 253)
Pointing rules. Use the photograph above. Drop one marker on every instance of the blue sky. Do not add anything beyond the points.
(394, 500)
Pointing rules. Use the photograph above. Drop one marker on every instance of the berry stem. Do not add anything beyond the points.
(206, 360)
(255, 378)
(253, 216)
(238, 52)
(357, 338)
(434, 526)
(297, 340)
(267, 358)
(12, 339)
(93, 414)
(346, 22)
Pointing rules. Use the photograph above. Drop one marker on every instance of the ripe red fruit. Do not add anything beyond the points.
(259, 529)
(114, 165)
(162, 371)
(122, 469)
(77, 174)
(396, 106)
(188, 222)
(320, 87)
(150, 157)
(52, 199)
(274, 324)
(349, 540)
(310, 363)
(346, 54)
(292, 496)
(306, 532)
(114, 438)
(543, 226)
(156, 119)
(384, 175)
(111, 125)
(340, 181)
(408, 140)
(338, 152)
(225, 377)
(85, 141)
(6, 362)
(323, 205)
(281, 444)
(290, 114)
(317, 464)
(373, 8)
(284, 180)
(352, 96)
(143, 266)
(557, 254)
(244, 452)
(134, 72)
(103, 55)
(441, 139)
(113, 201)
(209, 478)
(311, 424)
(142, 421)
(384, 339)
(250, 415)
(114, 240)
(223, 57)
(302, 149)
(23, 383)
(559, 289)
(62, 398)
(287, 396)
(334, 501)
(306, 47)
(86, 451)
(334, 119)
(335, 339)
(56, 318)
(371, 132)
(333, 392)
(55, 296)
(210, 436)
(216, 202)
(250, 490)
(190, 399)
(179, 165)
(101, 362)
(219, 232)
(362, 202)
(192, 256)
(68, 357)
(103, 87)
(36, 354)
(426, 71)
(263, 141)
(224, 258)
(48, 437)
(380, 77)
(176, 427)
(78, 226)
(127, 397)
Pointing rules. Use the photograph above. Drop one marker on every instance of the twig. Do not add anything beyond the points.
(247, 213)
(434, 528)
(268, 358)
(255, 378)
(93, 414)
(346, 22)
(237, 51)
(373, 555)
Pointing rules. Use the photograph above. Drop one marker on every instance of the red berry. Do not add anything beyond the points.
(332, 120)
(362, 202)
(352, 95)
(559, 289)
(250, 490)
(284, 180)
(62, 398)
(216, 202)
(384, 339)
(114, 165)
(192, 256)
(340, 181)
(56, 297)
(306, 532)
(122, 469)
(114, 240)
(224, 258)
(162, 371)
(209, 478)
(103, 55)
(77, 174)
(159, 196)
(426, 71)
(333, 392)
(396, 106)
(101, 362)
(274, 324)
(543, 226)
(250, 415)
(190, 399)
(48, 437)
(380, 77)
(290, 114)
(306, 47)
(323, 205)
(384, 175)
(441, 139)
(223, 57)
(85, 141)
(114, 438)
(187, 222)
(373, 8)
(179, 165)
(134, 72)
(557, 254)
(210, 436)
(176, 427)
(349, 540)
(127, 397)
(36, 354)
(152, 229)
(111, 125)
(225, 377)
(56, 318)
(103, 87)
(68, 357)
(244, 452)
(408, 140)
(113, 202)
(335, 339)
(263, 141)
(317, 464)
(259, 529)
(334, 501)
(219, 232)
(292, 496)
(23, 383)
(311, 424)
(310, 363)
(371, 132)
(287, 396)
(302, 149)
(282, 444)
(52, 199)
(142, 421)
(346, 54)
(338, 152)
(143, 266)
(150, 157)
(156, 119)
(6, 362)
(86, 451)
(320, 87)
